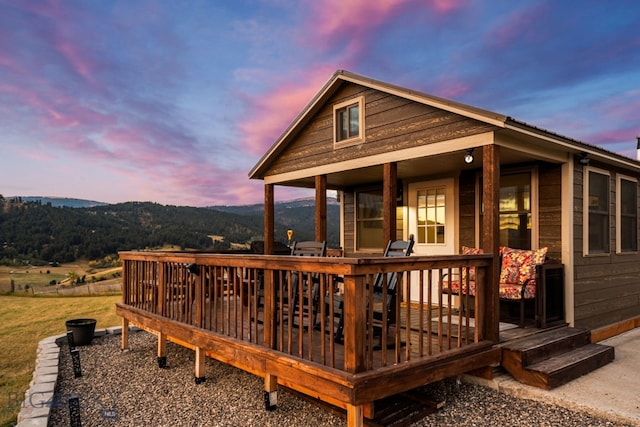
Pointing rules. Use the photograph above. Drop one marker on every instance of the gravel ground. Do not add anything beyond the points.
(126, 388)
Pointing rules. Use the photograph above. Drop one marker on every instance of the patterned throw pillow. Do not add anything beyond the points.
(519, 265)
(472, 271)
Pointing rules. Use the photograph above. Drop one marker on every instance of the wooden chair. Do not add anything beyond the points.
(301, 294)
(382, 300)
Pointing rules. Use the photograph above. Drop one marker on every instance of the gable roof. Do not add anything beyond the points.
(340, 77)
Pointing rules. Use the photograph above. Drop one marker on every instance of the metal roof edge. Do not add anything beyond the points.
(571, 144)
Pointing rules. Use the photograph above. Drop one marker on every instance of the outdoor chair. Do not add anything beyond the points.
(383, 301)
(519, 277)
(305, 287)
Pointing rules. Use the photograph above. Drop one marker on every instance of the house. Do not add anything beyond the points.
(397, 156)
(404, 164)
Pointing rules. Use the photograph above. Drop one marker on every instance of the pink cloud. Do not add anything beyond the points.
(334, 20)
(519, 25)
(272, 112)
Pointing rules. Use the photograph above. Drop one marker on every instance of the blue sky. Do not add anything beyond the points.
(175, 101)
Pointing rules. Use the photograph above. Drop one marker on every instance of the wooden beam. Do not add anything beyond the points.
(269, 215)
(491, 240)
(321, 208)
(124, 344)
(354, 323)
(200, 357)
(389, 201)
(355, 416)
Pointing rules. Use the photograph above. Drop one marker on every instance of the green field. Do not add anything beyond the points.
(24, 321)
(35, 280)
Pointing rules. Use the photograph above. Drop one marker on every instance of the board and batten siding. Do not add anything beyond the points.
(606, 287)
(391, 123)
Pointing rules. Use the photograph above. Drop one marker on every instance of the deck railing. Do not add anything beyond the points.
(322, 310)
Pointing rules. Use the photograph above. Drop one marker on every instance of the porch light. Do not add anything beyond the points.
(584, 159)
(468, 158)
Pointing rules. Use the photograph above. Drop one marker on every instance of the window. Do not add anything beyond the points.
(348, 119)
(516, 215)
(627, 215)
(597, 211)
(369, 220)
(431, 216)
(515, 211)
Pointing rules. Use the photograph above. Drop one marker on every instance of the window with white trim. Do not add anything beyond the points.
(431, 216)
(597, 212)
(626, 214)
(348, 122)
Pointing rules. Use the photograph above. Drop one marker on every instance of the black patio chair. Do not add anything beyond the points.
(382, 301)
(300, 294)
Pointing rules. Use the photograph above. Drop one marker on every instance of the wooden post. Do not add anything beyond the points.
(389, 201)
(355, 416)
(162, 350)
(321, 208)
(269, 214)
(270, 392)
(200, 355)
(355, 323)
(124, 344)
(491, 241)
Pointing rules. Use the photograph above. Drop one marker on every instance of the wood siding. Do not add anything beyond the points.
(550, 209)
(391, 123)
(606, 287)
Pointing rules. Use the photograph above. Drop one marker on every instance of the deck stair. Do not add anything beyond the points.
(551, 358)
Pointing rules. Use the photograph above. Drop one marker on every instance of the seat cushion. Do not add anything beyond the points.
(454, 288)
(472, 271)
(519, 265)
(513, 291)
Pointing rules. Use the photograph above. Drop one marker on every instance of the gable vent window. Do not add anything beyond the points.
(349, 123)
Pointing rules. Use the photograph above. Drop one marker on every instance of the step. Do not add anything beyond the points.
(568, 366)
(544, 345)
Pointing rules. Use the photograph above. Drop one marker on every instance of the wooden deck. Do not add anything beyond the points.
(237, 309)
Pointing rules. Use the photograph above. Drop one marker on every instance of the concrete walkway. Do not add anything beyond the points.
(612, 391)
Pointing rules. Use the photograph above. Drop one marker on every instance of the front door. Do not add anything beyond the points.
(432, 221)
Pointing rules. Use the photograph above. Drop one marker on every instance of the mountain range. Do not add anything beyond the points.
(38, 230)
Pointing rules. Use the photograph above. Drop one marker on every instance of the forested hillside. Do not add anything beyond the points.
(38, 233)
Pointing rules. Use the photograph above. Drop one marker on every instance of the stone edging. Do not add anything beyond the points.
(36, 407)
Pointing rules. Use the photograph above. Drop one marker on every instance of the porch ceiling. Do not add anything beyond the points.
(449, 164)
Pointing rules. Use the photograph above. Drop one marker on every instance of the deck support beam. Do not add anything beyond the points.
(355, 415)
(162, 350)
(124, 341)
(200, 355)
(270, 392)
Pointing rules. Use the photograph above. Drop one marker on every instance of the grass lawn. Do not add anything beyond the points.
(24, 321)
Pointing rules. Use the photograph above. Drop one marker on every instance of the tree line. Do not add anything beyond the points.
(36, 233)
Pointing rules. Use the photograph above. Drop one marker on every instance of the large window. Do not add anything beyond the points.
(515, 210)
(369, 220)
(348, 120)
(627, 215)
(597, 209)
(516, 218)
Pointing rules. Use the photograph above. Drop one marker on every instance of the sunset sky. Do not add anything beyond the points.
(175, 101)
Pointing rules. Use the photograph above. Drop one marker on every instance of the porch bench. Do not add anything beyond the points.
(525, 275)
